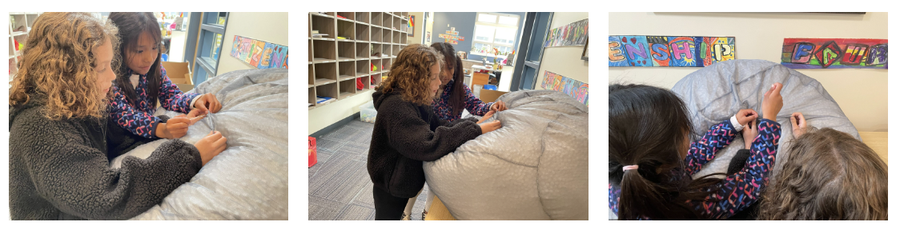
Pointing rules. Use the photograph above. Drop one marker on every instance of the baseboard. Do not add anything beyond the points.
(335, 126)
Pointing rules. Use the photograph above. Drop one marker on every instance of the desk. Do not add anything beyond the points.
(878, 141)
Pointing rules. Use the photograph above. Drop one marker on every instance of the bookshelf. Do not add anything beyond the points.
(20, 24)
(349, 45)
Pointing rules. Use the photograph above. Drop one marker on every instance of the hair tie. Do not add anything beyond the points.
(629, 167)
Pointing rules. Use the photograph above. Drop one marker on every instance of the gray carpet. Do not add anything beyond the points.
(339, 185)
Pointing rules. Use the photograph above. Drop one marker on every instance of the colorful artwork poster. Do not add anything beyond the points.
(236, 46)
(279, 53)
(411, 23)
(258, 48)
(245, 49)
(821, 53)
(572, 87)
(265, 60)
(573, 34)
(669, 51)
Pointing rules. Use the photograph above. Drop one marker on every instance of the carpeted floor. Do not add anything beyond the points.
(339, 185)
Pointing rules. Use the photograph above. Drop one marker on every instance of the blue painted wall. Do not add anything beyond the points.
(465, 24)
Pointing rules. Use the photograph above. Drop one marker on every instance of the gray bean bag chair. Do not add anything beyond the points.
(535, 167)
(249, 180)
(715, 93)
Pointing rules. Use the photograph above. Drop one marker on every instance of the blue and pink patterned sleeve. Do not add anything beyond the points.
(738, 191)
(138, 122)
(475, 105)
(170, 96)
(704, 150)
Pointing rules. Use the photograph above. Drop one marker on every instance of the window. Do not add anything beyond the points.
(212, 29)
(494, 30)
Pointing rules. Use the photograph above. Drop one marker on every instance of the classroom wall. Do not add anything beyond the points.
(861, 93)
(465, 24)
(565, 60)
(417, 28)
(429, 27)
(268, 26)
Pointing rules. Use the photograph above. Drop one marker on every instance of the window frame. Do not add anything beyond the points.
(496, 26)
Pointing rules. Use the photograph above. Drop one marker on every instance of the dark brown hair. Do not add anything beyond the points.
(131, 26)
(828, 175)
(453, 63)
(58, 61)
(649, 127)
(411, 72)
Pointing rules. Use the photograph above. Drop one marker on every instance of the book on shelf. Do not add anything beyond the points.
(323, 100)
(317, 35)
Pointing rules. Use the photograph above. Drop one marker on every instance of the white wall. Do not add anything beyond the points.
(565, 60)
(417, 30)
(269, 27)
(861, 93)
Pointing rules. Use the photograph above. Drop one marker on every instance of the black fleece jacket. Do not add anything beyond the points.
(406, 134)
(59, 169)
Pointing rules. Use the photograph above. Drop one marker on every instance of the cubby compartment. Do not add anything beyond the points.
(399, 24)
(362, 17)
(376, 34)
(362, 68)
(387, 64)
(347, 88)
(386, 38)
(346, 70)
(346, 30)
(375, 81)
(325, 73)
(376, 50)
(388, 21)
(376, 19)
(366, 80)
(325, 25)
(327, 90)
(396, 39)
(347, 15)
(378, 65)
(396, 50)
(346, 50)
(362, 32)
(323, 51)
(362, 50)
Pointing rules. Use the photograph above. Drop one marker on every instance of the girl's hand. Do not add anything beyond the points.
(772, 102)
(208, 103)
(490, 126)
(486, 116)
(195, 115)
(211, 145)
(175, 127)
(498, 106)
(745, 116)
(798, 124)
(750, 131)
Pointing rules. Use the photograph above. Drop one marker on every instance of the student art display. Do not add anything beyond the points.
(573, 34)
(452, 36)
(669, 51)
(259, 54)
(411, 26)
(572, 87)
(821, 53)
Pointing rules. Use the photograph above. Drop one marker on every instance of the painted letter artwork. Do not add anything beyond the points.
(259, 54)
(572, 87)
(671, 51)
(820, 53)
(573, 34)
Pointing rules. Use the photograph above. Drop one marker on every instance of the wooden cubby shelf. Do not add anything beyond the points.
(342, 55)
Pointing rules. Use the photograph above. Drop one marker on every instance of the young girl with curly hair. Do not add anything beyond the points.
(827, 175)
(408, 132)
(58, 148)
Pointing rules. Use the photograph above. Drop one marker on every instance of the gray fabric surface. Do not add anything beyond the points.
(249, 180)
(715, 93)
(535, 167)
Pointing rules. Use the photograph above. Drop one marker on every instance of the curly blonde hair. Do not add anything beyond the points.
(828, 175)
(58, 61)
(411, 72)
